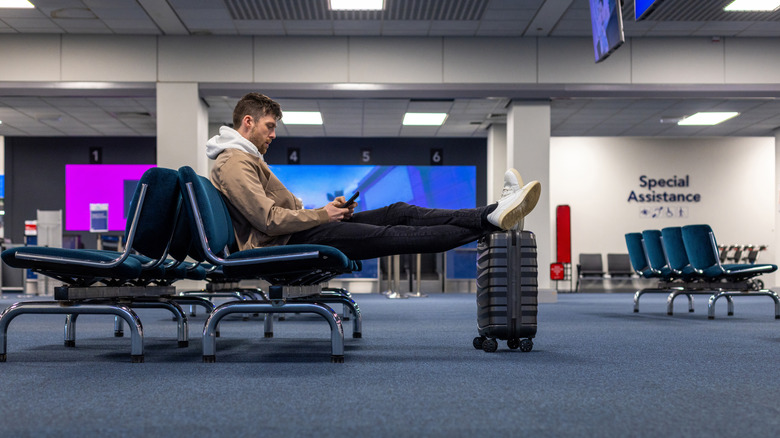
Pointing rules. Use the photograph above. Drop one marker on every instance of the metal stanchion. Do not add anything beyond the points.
(394, 269)
(443, 272)
(418, 272)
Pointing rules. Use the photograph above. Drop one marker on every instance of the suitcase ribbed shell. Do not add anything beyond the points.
(507, 285)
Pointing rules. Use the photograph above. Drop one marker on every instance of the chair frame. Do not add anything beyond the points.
(663, 285)
(278, 302)
(589, 275)
(733, 289)
(75, 308)
(78, 296)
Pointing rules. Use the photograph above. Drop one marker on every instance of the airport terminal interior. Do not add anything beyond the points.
(636, 298)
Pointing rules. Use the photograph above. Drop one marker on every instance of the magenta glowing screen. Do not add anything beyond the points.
(112, 184)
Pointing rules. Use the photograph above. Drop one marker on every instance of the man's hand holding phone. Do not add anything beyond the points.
(351, 200)
(336, 209)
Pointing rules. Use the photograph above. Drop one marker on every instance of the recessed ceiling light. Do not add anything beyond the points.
(424, 119)
(302, 118)
(752, 5)
(16, 4)
(707, 118)
(356, 5)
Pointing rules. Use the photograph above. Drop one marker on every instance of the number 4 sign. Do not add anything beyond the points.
(293, 156)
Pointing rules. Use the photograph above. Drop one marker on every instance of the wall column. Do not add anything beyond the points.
(528, 151)
(772, 253)
(182, 126)
(2, 172)
(496, 161)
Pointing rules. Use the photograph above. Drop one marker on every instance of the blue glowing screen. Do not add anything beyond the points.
(427, 186)
(642, 8)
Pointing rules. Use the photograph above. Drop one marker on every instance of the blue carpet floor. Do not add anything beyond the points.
(596, 370)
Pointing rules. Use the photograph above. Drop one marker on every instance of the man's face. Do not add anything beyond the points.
(262, 132)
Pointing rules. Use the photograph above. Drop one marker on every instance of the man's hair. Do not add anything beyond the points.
(256, 105)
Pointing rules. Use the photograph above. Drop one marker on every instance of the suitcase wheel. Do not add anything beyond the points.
(525, 345)
(478, 342)
(489, 345)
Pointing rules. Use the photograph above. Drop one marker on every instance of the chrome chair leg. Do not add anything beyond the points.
(192, 301)
(173, 307)
(636, 300)
(641, 292)
(729, 294)
(57, 307)
(209, 337)
(348, 303)
(70, 329)
(268, 325)
(119, 328)
(675, 294)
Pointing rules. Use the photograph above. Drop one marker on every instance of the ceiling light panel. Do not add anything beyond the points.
(424, 119)
(356, 5)
(16, 4)
(302, 118)
(752, 5)
(707, 118)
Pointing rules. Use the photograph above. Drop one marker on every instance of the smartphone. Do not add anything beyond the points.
(350, 200)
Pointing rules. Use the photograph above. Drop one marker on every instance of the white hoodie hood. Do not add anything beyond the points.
(229, 138)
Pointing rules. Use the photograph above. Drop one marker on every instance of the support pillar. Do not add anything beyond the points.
(496, 161)
(774, 250)
(182, 127)
(528, 151)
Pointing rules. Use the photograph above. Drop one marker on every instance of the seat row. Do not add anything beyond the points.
(179, 227)
(685, 261)
(591, 267)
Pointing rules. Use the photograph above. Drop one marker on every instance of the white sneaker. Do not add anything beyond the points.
(515, 203)
(513, 182)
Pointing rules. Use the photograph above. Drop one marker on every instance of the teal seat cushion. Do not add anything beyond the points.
(702, 251)
(738, 271)
(129, 269)
(636, 253)
(158, 213)
(328, 259)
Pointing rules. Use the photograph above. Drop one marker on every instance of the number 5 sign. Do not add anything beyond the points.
(365, 156)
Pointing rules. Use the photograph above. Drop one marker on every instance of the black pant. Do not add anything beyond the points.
(399, 228)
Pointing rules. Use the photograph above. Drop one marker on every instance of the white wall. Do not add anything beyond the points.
(595, 176)
(392, 60)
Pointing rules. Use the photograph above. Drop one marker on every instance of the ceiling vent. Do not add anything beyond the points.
(411, 10)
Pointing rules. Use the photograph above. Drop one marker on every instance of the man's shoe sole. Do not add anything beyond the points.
(524, 205)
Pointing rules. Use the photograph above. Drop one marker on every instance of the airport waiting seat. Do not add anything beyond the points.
(695, 283)
(658, 257)
(217, 284)
(640, 261)
(107, 282)
(292, 270)
(729, 280)
(637, 255)
(619, 266)
(590, 267)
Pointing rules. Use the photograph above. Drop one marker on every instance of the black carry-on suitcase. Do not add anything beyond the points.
(506, 290)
